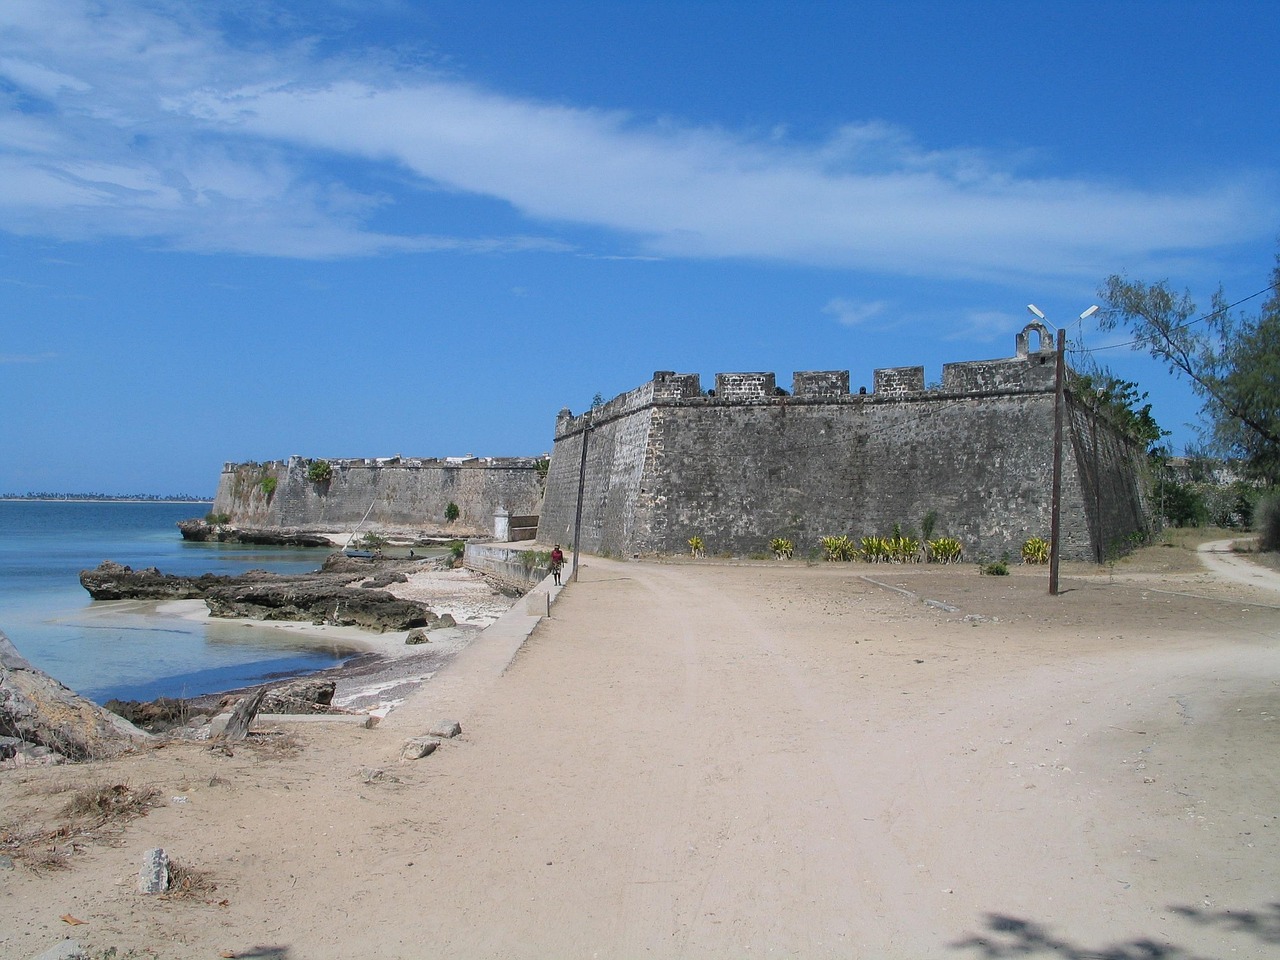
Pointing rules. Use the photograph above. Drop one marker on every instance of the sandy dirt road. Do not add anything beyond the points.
(718, 760)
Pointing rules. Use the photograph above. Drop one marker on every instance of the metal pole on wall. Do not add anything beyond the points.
(582, 483)
(1056, 503)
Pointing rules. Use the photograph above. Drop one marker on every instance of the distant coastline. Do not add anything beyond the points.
(106, 498)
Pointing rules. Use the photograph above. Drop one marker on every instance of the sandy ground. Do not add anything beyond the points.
(719, 760)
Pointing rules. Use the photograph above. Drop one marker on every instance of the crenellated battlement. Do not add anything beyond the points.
(747, 460)
(1027, 371)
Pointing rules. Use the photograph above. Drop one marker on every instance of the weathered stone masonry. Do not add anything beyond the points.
(747, 462)
(395, 492)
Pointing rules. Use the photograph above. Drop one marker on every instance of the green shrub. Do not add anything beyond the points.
(320, 471)
(837, 548)
(217, 519)
(997, 568)
(1183, 504)
(1035, 550)
(533, 559)
(903, 549)
(457, 548)
(268, 485)
(372, 541)
(1266, 520)
(783, 549)
(875, 549)
(451, 512)
(927, 525)
(944, 550)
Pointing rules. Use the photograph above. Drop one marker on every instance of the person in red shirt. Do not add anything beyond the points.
(557, 561)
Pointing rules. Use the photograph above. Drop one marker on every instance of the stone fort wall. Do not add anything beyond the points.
(745, 462)
(388, 493)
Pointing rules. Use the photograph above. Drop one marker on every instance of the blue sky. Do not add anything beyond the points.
(241, 230)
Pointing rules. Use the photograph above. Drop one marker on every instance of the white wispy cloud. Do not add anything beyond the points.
(15, 358)
(983, 326)
(154, 126)
(852, 313)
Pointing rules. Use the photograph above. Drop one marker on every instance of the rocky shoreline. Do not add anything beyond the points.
(380, 596)
(345, 591)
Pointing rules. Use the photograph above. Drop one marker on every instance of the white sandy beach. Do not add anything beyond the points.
(735, 760)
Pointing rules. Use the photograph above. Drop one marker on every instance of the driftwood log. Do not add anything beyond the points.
(238, 726)
(38, 711)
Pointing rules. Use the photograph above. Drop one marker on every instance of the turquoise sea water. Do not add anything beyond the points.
(126, 649)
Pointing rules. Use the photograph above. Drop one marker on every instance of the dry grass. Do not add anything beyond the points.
(90, 815)
(115, 803)
(188, 882)
(273, 744)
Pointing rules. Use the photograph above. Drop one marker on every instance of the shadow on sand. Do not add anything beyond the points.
(1014, 937)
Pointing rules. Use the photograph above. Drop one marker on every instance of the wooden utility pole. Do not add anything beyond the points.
(1055, 521)
(582, 483)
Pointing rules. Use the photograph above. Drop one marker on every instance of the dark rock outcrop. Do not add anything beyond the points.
(202, 531)
(324, 597)
(318, 602)
(115, 581)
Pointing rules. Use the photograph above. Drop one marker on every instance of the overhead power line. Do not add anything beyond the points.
(1208, 316)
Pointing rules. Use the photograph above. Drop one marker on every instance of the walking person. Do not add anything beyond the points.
(557, 561)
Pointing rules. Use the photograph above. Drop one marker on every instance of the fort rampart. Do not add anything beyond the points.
(745, 462)
(386, 493)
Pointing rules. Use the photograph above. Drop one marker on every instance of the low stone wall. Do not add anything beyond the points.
(505, 563)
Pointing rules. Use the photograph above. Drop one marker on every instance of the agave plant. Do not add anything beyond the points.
(944, 550)
(696, 547)
(903, 549)
(1035, 550)
(782, 548)
(837, 548)
(875, 549)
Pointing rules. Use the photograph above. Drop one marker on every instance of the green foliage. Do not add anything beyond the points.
(217, 519)
(457, 548)
(1229, 505)
(597, 401)
(783, 549)
(944, 550)
(268, 485)
(1035, 550)
(928, 524)
(1119, 401)
(837, 548)
(997, 568)
(372, 541)
(1231, 360)
(451, 512)
(320, 471)
(875, 549)
(1182, 504)
(903, 549)
(1266, 520)
(543, 466)
(535, 559)
(696, 547)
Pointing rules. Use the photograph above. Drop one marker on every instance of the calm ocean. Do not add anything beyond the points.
(124, 649)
